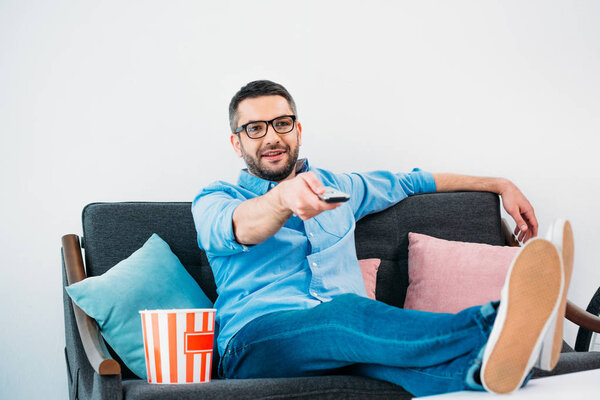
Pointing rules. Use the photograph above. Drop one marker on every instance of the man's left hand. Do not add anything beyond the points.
(518, 207)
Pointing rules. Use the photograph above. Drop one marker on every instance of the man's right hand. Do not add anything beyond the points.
(257, 219)
(300, 196)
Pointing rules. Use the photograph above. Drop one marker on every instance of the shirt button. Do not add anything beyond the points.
(311, 234)
(314, 264)
(313, 293)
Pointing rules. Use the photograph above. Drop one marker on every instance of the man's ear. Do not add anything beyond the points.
(235, 143)
(299, 128)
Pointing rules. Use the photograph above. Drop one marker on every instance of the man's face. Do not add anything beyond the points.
(272, 157)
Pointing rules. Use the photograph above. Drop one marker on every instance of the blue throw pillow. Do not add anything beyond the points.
(151, 278)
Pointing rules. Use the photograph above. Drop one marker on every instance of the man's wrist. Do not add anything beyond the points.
(500, 185)
(278, 203)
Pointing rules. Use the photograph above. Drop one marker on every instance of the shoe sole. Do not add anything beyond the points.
(530, 298)
(561, 235)
(568, 251)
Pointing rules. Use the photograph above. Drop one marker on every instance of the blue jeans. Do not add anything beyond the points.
(425, 353)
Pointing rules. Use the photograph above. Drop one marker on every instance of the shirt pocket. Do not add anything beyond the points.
(336, 222)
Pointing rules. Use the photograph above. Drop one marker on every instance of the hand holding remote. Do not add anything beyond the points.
(300, 196)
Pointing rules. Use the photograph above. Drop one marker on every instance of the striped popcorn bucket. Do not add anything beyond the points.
(178, 344)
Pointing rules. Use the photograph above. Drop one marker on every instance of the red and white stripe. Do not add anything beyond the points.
(178, 345)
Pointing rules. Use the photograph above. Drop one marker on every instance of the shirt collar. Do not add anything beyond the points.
(261, 186)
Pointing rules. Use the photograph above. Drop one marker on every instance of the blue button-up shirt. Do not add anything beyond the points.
(305, 262)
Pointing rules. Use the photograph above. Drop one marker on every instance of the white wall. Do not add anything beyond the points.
(127, 100)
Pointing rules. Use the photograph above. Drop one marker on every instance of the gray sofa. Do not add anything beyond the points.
(112, 231)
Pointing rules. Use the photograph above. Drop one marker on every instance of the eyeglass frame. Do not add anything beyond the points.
(243, 127)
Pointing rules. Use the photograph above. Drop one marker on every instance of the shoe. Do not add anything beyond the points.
(530, 298)
(561, 235)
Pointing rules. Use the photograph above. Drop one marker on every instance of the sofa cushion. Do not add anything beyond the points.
(447, 276)
(150, 278)
(333, 387)
(368, 268)
(572, 361)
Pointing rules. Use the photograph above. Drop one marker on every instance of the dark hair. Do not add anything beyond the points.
(257, 89)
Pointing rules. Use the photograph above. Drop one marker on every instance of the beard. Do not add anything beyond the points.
(274, 174)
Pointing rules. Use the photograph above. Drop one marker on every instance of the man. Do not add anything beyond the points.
(292, 300)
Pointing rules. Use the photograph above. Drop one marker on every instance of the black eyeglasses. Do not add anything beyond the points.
(258, 129)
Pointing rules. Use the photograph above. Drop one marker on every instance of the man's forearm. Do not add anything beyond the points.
(256, 220)
(513, 201)
(454, 182)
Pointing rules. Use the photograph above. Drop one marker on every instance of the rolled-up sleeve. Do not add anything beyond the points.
(377, 190)
(213, 217)
(421, 181)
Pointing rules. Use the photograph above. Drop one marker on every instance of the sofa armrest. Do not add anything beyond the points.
(93, 344)
(582, 318)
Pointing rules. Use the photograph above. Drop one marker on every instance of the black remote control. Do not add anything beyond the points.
(332, 195)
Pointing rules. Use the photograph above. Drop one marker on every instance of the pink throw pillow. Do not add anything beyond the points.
(369, 267)
(447, 277)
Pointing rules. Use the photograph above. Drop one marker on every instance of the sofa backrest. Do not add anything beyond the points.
(112, 231)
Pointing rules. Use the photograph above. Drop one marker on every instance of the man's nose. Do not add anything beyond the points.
(271, 136)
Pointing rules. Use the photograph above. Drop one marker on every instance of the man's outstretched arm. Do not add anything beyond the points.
(514, 202)
(257, 219)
